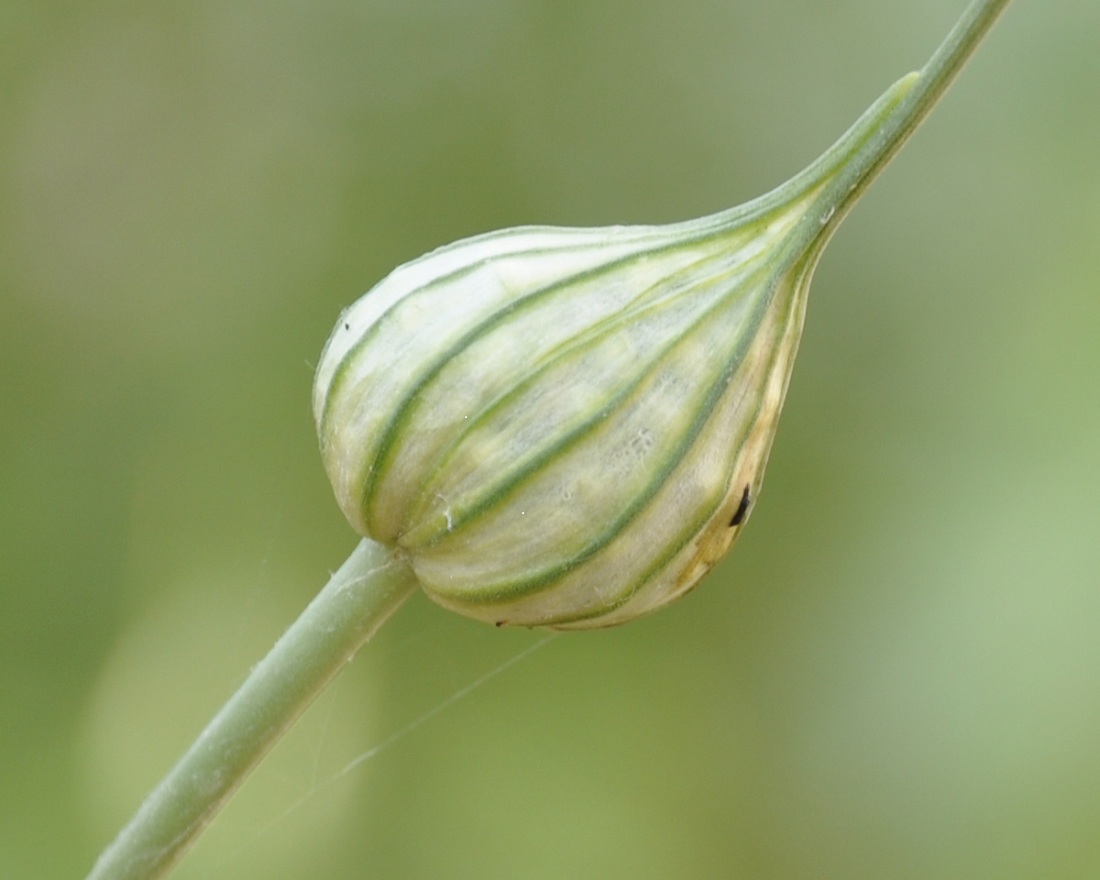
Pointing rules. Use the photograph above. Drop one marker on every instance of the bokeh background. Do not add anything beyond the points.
(895, 674)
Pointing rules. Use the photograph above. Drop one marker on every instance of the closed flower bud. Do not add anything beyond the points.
(569, 427)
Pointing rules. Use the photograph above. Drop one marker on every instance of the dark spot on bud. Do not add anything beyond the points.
(347, 326)
(500, 623)
(742, 509)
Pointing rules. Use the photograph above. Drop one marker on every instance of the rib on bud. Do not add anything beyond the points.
(569, 427)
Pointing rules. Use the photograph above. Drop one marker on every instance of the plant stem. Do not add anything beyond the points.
(924, 90)
(358, 599)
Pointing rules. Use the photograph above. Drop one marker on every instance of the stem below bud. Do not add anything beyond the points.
(358, 599)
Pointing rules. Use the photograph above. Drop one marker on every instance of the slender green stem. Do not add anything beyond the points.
(358, 599)
(924, 89)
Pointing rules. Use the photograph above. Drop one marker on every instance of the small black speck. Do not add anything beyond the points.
(500, 623)
(742, 509)
(347, 326)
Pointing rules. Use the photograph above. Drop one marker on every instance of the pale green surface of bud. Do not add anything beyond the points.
(569, 427)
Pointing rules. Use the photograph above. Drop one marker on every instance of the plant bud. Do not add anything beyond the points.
(569, 427)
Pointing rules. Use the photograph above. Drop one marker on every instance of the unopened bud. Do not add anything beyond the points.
(569, 427)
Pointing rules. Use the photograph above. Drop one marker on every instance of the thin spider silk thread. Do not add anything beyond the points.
(320, 786)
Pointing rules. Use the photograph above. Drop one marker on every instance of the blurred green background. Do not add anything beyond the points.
(896, 673)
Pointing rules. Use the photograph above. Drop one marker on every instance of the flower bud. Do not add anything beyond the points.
(569, 427)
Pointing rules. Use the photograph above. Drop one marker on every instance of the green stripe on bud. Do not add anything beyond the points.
(569, 427)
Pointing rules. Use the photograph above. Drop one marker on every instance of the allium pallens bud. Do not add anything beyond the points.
(569, 427)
